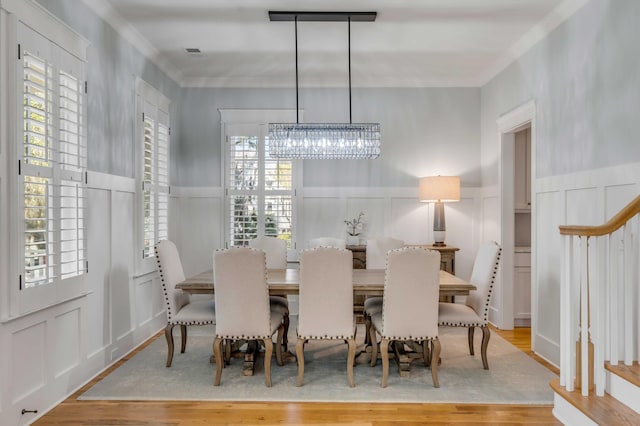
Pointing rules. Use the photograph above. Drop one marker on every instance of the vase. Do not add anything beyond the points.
(353, 240)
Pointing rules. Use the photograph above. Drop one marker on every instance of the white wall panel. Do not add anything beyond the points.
(66, 342)
(97, 312)
(411, 221)
(144, 301)
(462, 232)
(123, 307)
(200, 232)
(322, 217)
(28, 360)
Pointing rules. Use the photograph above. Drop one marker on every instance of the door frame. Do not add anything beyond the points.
(508, 124)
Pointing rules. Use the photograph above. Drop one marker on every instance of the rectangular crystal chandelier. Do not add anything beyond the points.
(333, 141)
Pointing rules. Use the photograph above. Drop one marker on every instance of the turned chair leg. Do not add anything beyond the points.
(285, 335)
(268, 354)
(351, 358)
(183, 334)
(217, 352)
(279, 345)
(435, 356)
(168, 334)
(426, 355)
(486, 335)
(470, 337)
(300, 357)
(384, 351)
(374, 347)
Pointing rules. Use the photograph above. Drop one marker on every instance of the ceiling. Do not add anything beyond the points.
(412, 43)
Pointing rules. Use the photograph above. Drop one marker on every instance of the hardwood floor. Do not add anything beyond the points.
(75, 412)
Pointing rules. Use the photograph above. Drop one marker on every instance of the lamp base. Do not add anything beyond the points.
(438, 236)
(438, 244)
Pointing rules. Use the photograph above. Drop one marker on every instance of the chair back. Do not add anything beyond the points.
(171, 273)
(411, 294)
(327, 242)
(326, 293)
(241, 293)
(275, 249)
(377, 251)
(483, 275)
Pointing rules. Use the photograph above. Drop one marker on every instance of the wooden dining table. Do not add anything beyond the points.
(366, 282)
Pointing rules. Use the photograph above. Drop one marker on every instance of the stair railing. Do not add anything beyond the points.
(600, 299)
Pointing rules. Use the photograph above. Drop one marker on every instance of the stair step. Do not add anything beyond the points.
(631, 373)
(603, 410)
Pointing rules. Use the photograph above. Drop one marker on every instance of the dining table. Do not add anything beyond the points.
(366, 282)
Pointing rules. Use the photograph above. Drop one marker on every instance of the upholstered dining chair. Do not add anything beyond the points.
(276, 252)
(475, 311)
(326, 302)
(327, 242)
(409, 307)
(377, 249)
(242, 298)
(180, 309)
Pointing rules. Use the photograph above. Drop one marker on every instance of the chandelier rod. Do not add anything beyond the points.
(297, 108)
(349, 53)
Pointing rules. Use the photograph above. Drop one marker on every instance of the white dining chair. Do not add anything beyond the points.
(326, 302)
(409, 307)
(475, 311)
(180, 309)
(276, 252)
(244, 312)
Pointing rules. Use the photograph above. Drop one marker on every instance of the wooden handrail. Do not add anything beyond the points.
(616, 222)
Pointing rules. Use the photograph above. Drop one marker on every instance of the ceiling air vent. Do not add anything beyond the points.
(193, 51)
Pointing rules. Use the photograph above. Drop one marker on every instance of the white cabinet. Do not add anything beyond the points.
(522, 166)
(522, 287)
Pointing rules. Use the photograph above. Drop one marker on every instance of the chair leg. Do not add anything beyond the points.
(183, 334)
(217, 352)
(435, 356)
(279, 345)
(374, 347)
(426, 356)
(367, 329)
(384, 351)
(268, 353)
(285, 336)
(227, 351)
(486, 335)
(470, 336)
(300, 357)
(351, 359)
(168, 334)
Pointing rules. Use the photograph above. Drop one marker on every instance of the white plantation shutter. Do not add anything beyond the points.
(52, 161)
(260, 190)
(154, 169)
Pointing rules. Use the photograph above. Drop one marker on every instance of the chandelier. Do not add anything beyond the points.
(324, 140)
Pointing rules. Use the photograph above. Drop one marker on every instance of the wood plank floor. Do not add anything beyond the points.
(94, 413)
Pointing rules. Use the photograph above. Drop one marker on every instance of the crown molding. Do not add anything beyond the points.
(127, 31)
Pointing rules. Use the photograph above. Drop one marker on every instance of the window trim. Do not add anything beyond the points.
(258, 118)
(147, 94)
(15, 16)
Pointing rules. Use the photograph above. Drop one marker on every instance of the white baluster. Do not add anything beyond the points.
(598, 303)
(566, 343)
(614, 302)
(584, 314)
(629, 284)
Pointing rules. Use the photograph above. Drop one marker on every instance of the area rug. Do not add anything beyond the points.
(513, 378)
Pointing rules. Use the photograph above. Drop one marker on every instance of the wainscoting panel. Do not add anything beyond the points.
(66, 342)
(98, 314)
(144, 300)
(123, 301)
(376, 215)
(322, 217)
(28, 360)
(411, 221)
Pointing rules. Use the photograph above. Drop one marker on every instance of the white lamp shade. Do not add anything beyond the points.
(439, 189)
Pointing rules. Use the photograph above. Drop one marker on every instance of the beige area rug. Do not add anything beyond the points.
(513, 378)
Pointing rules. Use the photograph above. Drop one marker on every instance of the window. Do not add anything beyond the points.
(260, 190)
(153, 170)
(52, 163)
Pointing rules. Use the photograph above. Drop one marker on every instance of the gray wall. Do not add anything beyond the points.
(424, 131)
(111, 74)
(584, 78)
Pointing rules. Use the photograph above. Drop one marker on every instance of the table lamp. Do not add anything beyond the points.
(438, 190)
